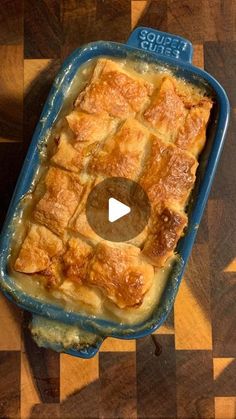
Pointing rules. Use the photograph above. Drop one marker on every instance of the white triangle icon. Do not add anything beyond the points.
(116, 209)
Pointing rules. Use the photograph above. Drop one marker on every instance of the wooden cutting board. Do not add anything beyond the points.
(188, 369)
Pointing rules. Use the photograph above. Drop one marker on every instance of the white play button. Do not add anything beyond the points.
(116, 210)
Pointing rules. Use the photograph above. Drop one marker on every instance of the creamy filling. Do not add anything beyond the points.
(69, 298)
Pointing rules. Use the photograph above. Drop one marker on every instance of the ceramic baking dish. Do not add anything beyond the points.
(149, 45)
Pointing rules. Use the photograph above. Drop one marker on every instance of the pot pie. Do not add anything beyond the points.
(148, 126)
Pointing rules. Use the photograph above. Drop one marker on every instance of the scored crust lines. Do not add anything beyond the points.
(123, 124)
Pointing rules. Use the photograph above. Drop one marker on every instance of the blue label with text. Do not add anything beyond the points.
(161, 44)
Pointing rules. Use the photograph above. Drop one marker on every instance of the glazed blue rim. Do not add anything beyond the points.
(49, 115)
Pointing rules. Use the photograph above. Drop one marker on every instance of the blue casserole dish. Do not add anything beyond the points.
(149, 45)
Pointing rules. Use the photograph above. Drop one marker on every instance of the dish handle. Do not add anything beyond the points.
(61, 337)
(162, 44)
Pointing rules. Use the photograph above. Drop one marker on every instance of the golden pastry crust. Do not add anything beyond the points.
(192, 134)
(119, 127)
(75, 149)
(62, 196)
(52, 277)
(67, 156)
(169, 174)
(89, 128)
(120, 272)
(189, 94)
(114, 91)
(165, 230)
(39, 247)
(76, 260)
(122, 154)
(74, 159)
(167, 112)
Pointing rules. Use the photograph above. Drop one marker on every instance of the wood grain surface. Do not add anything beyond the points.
(187, 369)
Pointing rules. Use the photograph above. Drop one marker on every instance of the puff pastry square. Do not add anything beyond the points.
(74, 151)
(89, 128)
(169, 175)
(122, 154)
(76, 259)
(67, 156)
(120, 272)
(114, 91)
(38, 249)
(167, 112)
(166, 229)
(62, 196)
(192, 134)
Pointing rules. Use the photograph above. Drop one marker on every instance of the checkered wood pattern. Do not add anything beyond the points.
(188, 368)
